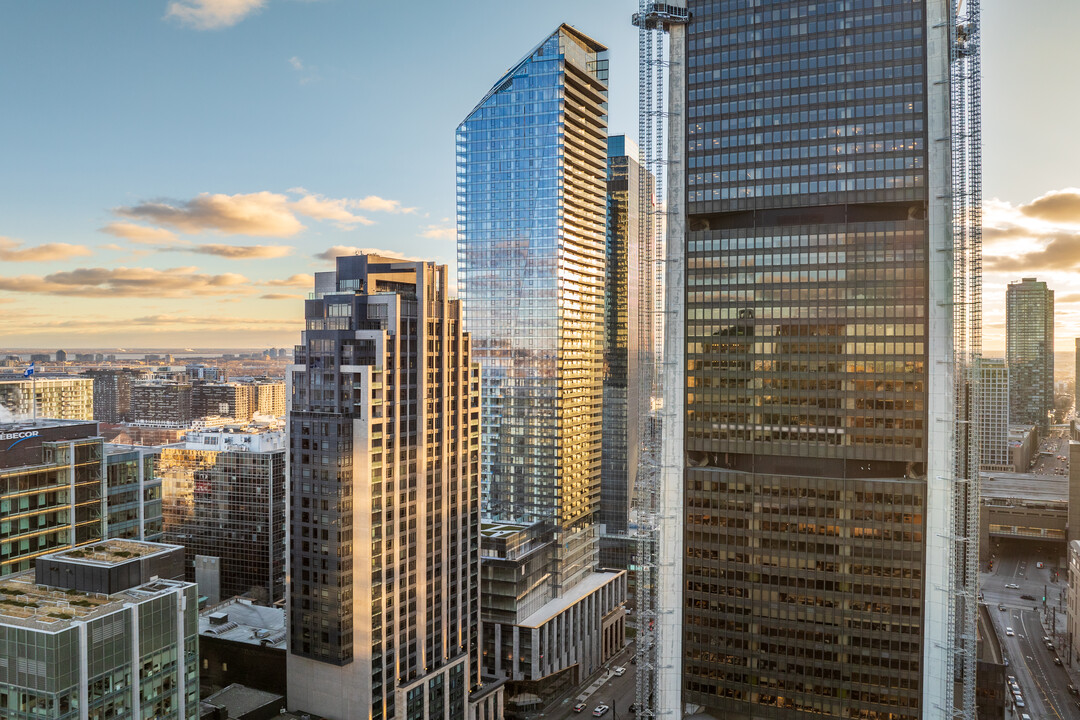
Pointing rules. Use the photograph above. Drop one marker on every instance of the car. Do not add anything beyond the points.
(1039, 565)
(1009, 632)
(579, 707)
(1025, 716)
(618, 670)
(1001, 607)
(1046, 638)
(1018, 697)
(1071, 689)
(1027, 597)
(1050, 646)
(601, 710)
(1011, 679)
(1012, 586)
(1057, 660)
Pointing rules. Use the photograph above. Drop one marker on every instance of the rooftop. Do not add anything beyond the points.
(493, 529)
(239, 620)
(239, 700)
(40, 607)
(111, 552)
(582, 590)
(1023, 488)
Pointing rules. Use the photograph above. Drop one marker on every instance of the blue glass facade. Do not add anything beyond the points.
(531, 167)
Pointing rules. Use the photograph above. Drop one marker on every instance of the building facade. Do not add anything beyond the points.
(112, 393)
(812, 571)
(133, 493)
(224, 502)
(1029, 351)
(225, 399)
(103, 631)
(384, 424)
(165, 403)
(59, 397)
(51, 489)
(531, 160)
(994, 410)
(624, 316)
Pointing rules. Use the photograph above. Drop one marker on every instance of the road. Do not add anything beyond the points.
(615, 692)
(1042, 683)
(1058, 446)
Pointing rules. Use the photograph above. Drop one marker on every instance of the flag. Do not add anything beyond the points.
(28, 371)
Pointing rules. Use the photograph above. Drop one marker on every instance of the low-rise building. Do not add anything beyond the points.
(539, 640)
(241, 642)
(102, 631)
(1023, 446)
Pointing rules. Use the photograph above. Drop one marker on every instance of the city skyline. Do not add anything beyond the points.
(194, 210)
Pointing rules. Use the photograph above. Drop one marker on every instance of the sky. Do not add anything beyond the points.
(172, 172)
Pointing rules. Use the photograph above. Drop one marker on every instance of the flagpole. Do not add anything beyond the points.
(33, 391)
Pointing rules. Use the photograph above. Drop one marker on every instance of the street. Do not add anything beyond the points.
(615, 692)
(1042, 683)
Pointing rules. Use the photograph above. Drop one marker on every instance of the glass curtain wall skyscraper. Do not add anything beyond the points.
(1029, 351)
(622, 315)
(811, 581)
(531, 176)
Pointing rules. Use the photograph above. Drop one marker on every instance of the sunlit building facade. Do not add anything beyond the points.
(994, 416)
(809, 284)
(384, 593)
(59, 397)
(1029, 351)
(224, 502)
(531, 177)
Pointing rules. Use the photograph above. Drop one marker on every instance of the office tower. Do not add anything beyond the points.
(531, 196)
(994, 416)
(112, 393)
(133, 493)
(103, 631)
(223, 499)
(51, 489)
(165, 403)
(622, 317)
(531, 162)
(1029, 352)
(61, 356)
(384, 422)
(59, 397)
(818, 578)
(1076, 377)
(226, 399)
(39, 357)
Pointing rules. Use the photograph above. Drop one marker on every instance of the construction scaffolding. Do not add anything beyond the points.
(659, 327)
(965, 89)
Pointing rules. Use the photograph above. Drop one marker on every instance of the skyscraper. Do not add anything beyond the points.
(531, 159)
(622, 314)
(384, 419)
(531, 196)
(1029, 351)
(819, 329)
(994, 412)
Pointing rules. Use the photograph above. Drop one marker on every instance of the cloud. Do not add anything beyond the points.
(1062, 252)
(296, 62)
(262, 213)
(235, 252)
(439, 233)
(1056, 206)
(1070, 298)
(139, 233)
(129, 282)
(340, 250)
(11, 251)
(280, 296)
(321, 208)
(212, 14)
(298, 280)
